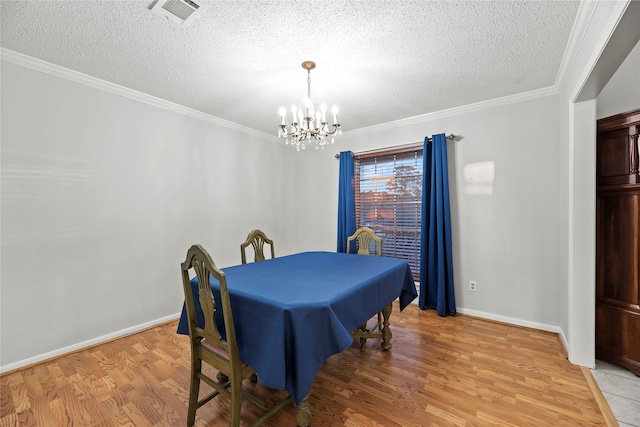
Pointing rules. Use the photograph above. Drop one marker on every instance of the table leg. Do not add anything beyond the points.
(303, 413)
(386, 332)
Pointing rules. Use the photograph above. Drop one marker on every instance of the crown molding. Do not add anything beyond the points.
(584, 16)
(469, 108)
(75, 76)
(578, 33)
(576, 37)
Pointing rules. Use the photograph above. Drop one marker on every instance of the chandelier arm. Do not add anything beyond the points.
(335, 129)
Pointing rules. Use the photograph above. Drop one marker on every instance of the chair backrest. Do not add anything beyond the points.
(201, 263)
(257, 239)
(363, 236)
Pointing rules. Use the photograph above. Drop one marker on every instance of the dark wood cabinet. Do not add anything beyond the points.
(618, 149)
(618, 241)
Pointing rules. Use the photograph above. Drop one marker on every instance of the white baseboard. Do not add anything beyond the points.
(505, 319)
(513, 321)
(519, 322)
(86, 344)
(147, 325)
(564, 341)
(510, 320)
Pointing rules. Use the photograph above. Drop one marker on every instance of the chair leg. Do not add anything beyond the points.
(193, 392)
(236, 400)
(363, 341)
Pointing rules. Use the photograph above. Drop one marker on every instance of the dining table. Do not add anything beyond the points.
(293, 312)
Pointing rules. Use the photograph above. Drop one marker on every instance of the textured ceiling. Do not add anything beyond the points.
(379, 61)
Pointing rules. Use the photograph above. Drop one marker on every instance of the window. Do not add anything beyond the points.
(389, 201)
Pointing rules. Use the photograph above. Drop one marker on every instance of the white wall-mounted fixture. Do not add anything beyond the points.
(179, 11)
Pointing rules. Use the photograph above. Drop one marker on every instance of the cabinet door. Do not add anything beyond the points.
(618, 157)
(618, 241)
(617, 332)
(618, 248)
(618, 278)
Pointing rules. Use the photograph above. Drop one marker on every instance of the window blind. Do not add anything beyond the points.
(389, 201)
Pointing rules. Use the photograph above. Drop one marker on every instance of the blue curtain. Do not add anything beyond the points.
(436, 263)
(346, 200)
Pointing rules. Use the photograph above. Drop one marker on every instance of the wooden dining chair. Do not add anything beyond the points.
(365, 238)
(257, 239)
(210, 346)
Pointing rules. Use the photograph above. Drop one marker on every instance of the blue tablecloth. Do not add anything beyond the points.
(291, 313)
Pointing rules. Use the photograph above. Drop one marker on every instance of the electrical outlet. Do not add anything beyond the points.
(472, 285)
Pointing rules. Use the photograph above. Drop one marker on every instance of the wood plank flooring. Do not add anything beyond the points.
(453, 371)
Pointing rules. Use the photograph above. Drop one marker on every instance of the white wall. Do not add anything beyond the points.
(506, 232)
(622, 93)
(610, 33)
(102, 195)
(531, 243)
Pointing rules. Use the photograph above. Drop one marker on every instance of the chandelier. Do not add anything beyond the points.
(309, 125)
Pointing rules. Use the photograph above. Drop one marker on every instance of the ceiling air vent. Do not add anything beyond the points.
(179, 11)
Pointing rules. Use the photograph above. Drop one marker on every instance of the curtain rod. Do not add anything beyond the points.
(450, 137)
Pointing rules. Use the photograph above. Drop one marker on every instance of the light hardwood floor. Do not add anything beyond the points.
(453, 371)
